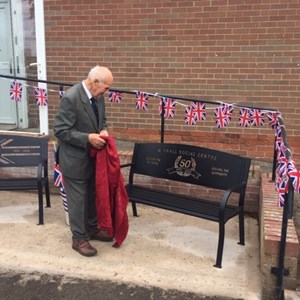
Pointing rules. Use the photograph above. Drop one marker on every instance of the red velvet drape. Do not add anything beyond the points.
(111, 196)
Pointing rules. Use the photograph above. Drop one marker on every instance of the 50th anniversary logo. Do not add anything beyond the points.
(184, 167)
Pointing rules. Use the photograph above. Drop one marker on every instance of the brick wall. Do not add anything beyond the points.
(243, 52)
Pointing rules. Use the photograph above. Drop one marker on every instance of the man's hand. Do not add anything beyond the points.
(96, 141)
(104, 132)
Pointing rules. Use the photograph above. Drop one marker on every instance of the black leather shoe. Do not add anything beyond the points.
(101, 236)
(84, 247)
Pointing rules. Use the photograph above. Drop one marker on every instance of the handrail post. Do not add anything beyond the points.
(162, 122)
(285, 216)
(274, 161)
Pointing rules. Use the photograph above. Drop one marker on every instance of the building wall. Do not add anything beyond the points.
(245, 52)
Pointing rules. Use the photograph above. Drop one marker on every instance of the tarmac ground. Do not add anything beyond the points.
(48, 287)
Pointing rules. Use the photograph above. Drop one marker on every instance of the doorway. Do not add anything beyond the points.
(14, 17)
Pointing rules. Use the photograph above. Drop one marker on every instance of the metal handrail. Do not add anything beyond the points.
(286, 214)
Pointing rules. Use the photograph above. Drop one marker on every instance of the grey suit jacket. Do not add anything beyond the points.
(74, 121)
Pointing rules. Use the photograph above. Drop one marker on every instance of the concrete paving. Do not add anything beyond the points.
(163, 249)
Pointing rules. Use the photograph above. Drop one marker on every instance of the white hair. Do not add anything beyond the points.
(100, 73)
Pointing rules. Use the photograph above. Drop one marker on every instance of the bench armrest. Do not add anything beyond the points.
(42, 170)
(39, 173)
(45, 166)
(126, 165)
(239, 188)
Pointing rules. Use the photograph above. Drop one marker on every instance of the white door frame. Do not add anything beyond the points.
(41, 60)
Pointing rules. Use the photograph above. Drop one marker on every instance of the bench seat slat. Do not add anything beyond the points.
(19, 184)
(179, 203)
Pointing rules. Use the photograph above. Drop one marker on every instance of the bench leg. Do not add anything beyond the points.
(41, 213)
(242, 228)
(134, 210)
(220, 245)
(47, 194)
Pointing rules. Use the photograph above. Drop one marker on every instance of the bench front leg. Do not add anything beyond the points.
(40, 196)
(220, 245)
(242, 228)
(46, 183)
(134, 209)
(242, 216)
(47, 192)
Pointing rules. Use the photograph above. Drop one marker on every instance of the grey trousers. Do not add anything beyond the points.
(81, 199)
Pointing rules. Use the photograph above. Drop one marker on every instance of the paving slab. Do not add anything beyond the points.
(164, 250)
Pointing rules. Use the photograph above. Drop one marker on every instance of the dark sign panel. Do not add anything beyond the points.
(188, 164)
(23, 151)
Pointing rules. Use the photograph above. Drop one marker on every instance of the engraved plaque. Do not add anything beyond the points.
(189, 164)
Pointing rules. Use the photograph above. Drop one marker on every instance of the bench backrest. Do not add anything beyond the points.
(190, 164)
(22, 151)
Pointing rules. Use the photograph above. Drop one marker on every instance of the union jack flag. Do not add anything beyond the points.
(220, 117)
(115, 97)
(257, 117)
(64, 197)
(294, 174)
(61, 93)
(277, 182)
(244, 117)
(282, 190)
(273, 120)
(141, 100)
(190, 118)
(223, 115)
(58, 181)
(279, 139)
(41, 96)
(16, 90)
(198, 109)
(168, 105)
(282, 162)
(229, 112)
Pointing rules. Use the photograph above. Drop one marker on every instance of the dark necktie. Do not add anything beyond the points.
(95, 109)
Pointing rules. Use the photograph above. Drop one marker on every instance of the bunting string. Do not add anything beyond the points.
(194, 112)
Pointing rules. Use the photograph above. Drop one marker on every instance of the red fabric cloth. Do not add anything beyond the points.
(111, 196)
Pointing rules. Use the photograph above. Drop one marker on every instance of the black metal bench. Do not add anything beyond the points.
(29, 155)
(192, 165)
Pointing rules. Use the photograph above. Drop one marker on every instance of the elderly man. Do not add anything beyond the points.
(79, 123)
